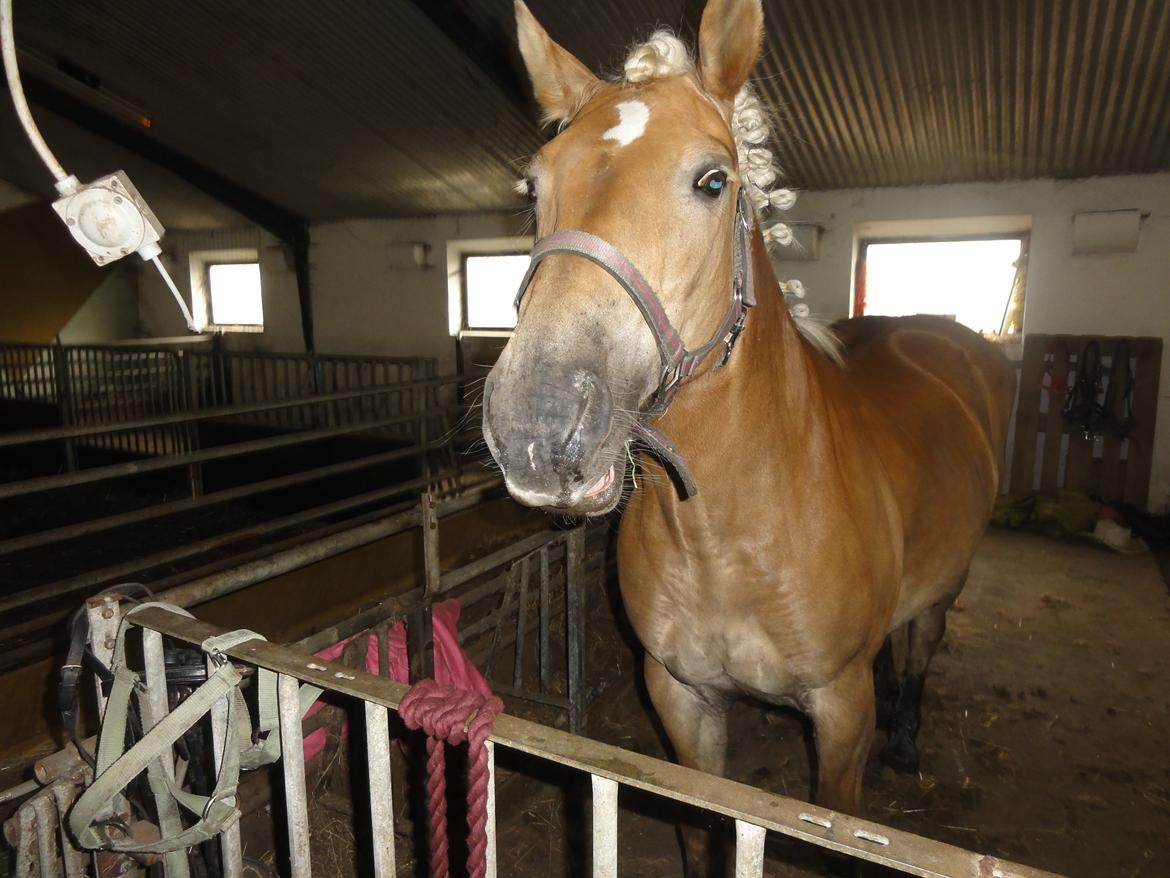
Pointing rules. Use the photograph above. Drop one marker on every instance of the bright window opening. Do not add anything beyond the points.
(235, 294)
(979, 283)
(490, 285)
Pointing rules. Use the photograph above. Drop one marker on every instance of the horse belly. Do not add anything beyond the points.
(946, 394)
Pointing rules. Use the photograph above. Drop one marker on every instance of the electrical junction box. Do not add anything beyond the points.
(110, 220)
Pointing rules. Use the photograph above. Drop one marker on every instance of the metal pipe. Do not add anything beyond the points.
(52, 434)
(19, 791)
(605, 794)
(575, 625)
(230, 845)
(490, 827)
(292, 757)
(221, 452)
(162, 510)
(120, 571)
(175, 863)
(456, 578)
(381, 791)
(749, 850)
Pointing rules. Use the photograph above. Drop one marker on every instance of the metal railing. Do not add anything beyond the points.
(391, 424)
(105, 384)
(754, 812)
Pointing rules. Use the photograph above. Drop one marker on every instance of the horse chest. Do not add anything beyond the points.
(728, 626)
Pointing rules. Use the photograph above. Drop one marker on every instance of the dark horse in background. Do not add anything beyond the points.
(836, 500)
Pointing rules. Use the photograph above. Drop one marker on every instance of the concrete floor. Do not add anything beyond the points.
(1044, 733)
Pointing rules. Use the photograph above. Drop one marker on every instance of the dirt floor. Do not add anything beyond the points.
(1044, 734)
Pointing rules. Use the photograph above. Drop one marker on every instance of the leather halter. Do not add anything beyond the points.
(678, 364)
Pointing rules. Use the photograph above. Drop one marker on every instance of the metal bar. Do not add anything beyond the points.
(104, 615)
(162, 510)
(381, 793)
(575, 625)
(605, 795)
(173, 461)
(909, 853)
(117, 571)
(749, 850)
(501, 616)
(52, 434)
(490, 827)
(51, 865)
(521, 607)
(455, 578)
(230, 846)
(292, 756)
(201, 590)
(430, 534)
(175, 863)
(545, 658)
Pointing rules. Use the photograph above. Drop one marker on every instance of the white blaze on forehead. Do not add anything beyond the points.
(632, 119)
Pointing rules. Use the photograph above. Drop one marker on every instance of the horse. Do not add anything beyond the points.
(799, 495)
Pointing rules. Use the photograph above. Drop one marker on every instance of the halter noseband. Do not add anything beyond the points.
(678, 364)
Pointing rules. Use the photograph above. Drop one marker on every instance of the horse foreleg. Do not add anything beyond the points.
(695, 720)
(843, 721)
(925, 632)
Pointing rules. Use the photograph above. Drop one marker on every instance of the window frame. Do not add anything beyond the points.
(857, 308)
(465, 326)
(458, 249)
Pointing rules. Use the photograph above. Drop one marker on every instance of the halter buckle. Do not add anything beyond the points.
(732, 338)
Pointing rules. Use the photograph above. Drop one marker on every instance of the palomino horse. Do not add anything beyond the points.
(834, 501)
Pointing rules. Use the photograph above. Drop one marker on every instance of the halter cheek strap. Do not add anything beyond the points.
(678, 364)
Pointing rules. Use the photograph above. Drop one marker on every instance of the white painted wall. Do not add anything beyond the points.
(369, 298)
(1109, 294)
(110, 313)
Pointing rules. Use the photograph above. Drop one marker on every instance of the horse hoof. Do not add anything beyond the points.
(901, 754)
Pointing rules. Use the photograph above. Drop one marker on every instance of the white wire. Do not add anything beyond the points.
(66, 183)
(174, 291)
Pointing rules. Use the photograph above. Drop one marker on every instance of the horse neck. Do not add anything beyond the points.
(767, 398)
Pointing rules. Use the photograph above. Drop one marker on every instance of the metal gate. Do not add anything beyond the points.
(755, 812)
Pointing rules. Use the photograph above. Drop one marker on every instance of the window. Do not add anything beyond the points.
(235, 294)
(483, 276)
(978, 282)
(226, 292)
(489, 289)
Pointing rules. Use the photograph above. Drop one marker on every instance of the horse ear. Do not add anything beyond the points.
(729, 44)
(559, 80)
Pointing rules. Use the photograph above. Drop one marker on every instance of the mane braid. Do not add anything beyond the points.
(664, 54)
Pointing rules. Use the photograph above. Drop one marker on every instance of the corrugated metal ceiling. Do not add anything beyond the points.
(352, 108)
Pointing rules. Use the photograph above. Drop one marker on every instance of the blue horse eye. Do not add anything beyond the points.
(711, 183)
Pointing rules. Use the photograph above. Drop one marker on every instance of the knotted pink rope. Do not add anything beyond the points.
(451, 716)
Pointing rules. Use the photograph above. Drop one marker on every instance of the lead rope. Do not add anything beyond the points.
(447, 715)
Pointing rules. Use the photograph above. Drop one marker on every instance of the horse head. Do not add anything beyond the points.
(646, 179)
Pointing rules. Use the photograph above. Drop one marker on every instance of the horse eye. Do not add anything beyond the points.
(711, 183)
(526, 188)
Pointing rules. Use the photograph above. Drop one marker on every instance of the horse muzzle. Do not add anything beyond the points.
(548, 433)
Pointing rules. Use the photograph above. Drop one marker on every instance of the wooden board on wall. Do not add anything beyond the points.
(1051, 452)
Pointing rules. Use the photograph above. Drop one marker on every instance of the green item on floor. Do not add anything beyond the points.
(1058, 514)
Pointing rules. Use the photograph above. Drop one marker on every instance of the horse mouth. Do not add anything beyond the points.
(601, 485)
(603, 495)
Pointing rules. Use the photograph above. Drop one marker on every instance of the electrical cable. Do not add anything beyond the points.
(66, 182)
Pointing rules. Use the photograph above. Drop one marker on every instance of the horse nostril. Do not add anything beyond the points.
(591, 424)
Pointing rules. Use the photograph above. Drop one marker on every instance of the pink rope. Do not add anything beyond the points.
(451, 716)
